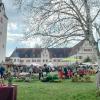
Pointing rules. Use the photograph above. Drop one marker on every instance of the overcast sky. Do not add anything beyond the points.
(15, 28)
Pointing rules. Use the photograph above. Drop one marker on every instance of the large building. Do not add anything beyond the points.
(55, 56)
(3, 32)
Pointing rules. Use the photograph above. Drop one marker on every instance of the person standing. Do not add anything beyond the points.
(46, 69)
(2, 70)
(30, 71)
(40, 72)
(60, 73)
(65, 72)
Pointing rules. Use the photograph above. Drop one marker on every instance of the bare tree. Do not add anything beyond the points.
(61, 21)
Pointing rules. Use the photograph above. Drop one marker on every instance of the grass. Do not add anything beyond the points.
(65, 90)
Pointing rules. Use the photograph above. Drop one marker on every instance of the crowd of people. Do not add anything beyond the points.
(64, 72)
(69, 72)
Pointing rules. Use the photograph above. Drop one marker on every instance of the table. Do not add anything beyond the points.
(8, 92)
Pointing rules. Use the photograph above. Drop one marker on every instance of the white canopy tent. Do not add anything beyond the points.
(33, 64)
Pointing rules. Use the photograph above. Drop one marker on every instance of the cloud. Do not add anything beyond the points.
(14, 37)
(9, 52)
(12, 26)
(31, 42)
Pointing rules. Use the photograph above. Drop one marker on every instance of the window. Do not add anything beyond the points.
(54, 60)
(38, 56)
(38, 60)
(61, 55)
(33, 60)
(46, 60)
(17, 60)
(27, 60)
(87, 49)
(58, 60)
(26, 55)
(33, 55)
(14, 60)
(54, 56)
(80, 57)
(21, 60)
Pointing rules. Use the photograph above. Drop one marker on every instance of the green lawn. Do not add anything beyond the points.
(65, 90)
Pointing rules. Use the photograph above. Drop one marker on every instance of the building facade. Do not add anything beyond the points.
(83, 50)
(55, 56)
(3, 32)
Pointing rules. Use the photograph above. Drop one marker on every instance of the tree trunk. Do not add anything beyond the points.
(98, 77)
(98, 69)
(90, 38)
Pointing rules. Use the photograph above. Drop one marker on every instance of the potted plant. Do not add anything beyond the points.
(10, 78)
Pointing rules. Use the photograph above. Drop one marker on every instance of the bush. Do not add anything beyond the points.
(51, 78)
(23, 79)
(19, 80)
(55, 77)
(98, 93)
(87, 78)
(82, 80)
(27, 79)
(47, 78)
(75, 78)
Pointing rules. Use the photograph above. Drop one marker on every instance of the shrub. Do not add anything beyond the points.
(27, 79)
(75, 78)
(55, 77)
(10, 78)
(82, 80)
(22, 77)
(51, 78)
(57, 81)
(19, 80)
(98, 93)
(47, 78)
(87, 78)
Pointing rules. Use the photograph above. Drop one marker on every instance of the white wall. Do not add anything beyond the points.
(85, 51)
(3, 34)
(57, 61)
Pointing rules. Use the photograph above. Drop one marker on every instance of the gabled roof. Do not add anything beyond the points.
(59, 52)
(76, 48)
(53, 52)
(27, 52)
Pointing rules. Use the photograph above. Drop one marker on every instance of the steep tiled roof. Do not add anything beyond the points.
(27, 52)
(59, 52)
(54, 52)
(76, 48)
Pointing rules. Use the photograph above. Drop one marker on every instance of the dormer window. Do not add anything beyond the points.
(26, 56)
(33, 55)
